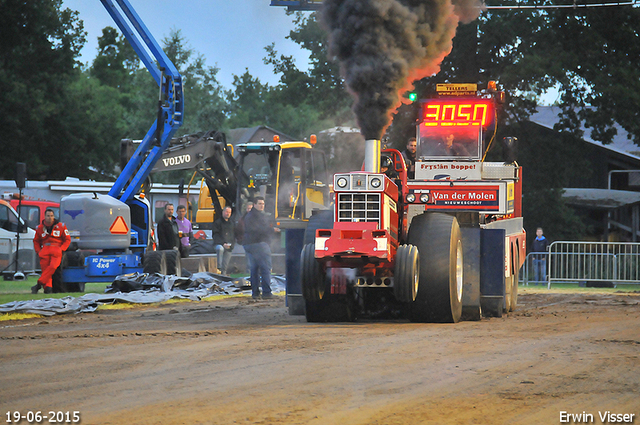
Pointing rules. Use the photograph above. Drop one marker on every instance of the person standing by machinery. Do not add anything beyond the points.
(168, 230)
(51, 240)
(185, 231)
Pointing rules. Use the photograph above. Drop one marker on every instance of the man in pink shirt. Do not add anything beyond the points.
(185, 231)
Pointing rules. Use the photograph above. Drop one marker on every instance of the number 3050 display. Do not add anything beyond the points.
(458, 113)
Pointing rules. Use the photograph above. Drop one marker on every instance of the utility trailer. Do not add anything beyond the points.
(443, 246)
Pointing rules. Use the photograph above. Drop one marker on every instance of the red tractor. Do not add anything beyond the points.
(443, 246)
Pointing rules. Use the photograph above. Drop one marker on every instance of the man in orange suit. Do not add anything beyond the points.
(52, 239)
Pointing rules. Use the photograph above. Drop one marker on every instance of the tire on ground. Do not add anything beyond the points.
(154, 262)
(69, 259)
(406, 273)
(438, 239)
(174, 263)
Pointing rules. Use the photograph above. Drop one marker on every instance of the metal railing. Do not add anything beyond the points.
(28, 261)
(615, 262)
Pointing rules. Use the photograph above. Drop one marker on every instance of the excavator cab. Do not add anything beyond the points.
(291, 176)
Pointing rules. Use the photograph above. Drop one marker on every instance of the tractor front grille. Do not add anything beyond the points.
(357, 207)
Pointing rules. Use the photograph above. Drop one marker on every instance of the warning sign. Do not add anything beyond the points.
(119, 226)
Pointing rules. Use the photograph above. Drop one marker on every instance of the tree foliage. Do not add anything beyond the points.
(39, 44)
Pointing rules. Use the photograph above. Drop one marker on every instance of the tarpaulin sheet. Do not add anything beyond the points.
(141, 288)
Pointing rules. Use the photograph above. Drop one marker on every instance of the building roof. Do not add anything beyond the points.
(258, 133)
(600, 198)
(547, 116)
(341, 129)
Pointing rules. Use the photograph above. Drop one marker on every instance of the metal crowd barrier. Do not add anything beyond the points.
(28, 261)
(615, 262)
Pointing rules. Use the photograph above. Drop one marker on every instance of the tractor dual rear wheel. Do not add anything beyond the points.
(438, 240)
(406, 273)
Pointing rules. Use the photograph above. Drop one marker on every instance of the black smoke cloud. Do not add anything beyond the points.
(385, 45)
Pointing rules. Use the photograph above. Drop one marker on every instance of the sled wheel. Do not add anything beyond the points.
(406, 274)
(439, 298)
(154, 262)
(174, 264)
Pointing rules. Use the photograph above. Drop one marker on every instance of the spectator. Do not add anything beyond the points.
(185, 231)
(540, 245)
(168, 230)
(257, 234)
(51, 240)
(240, 225)
(409, 155)
(223, 238)
(240, 233)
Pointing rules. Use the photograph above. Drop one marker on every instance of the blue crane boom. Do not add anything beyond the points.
(170, 102)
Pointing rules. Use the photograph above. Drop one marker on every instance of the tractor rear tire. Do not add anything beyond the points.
(154, 262)
(406, 273)
(438, 239)
(174, 263)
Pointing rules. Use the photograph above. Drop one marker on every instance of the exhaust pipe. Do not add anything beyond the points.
(372, 155)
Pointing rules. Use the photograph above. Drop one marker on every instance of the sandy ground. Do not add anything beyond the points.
(238, 361)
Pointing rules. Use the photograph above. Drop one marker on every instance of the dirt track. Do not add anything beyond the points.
(238, 361)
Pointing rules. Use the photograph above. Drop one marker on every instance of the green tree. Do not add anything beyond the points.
(320, 86)
(39, 47)
(116, 61)
(204, 96)
(247, 101)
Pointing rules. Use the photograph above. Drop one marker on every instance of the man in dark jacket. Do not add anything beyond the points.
(257, 235)
(409, 155)
(541, 245)
(168, 230)
(223, 238)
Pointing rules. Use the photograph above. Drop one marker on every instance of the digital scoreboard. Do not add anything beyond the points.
(458, 112)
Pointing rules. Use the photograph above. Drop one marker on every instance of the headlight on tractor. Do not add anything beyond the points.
(424, 198)
(342, 182)
(411, 198)
(376, 182)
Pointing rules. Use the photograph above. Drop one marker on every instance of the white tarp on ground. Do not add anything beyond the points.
(144, 289)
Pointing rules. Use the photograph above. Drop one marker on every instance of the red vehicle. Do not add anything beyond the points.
(32, 210)
(444, 246)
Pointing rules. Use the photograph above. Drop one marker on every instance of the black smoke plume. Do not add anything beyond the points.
(385, 45)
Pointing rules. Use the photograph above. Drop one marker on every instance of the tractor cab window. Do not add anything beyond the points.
(289, 181)
(256, 166)
(449, 142)
(316, 169)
